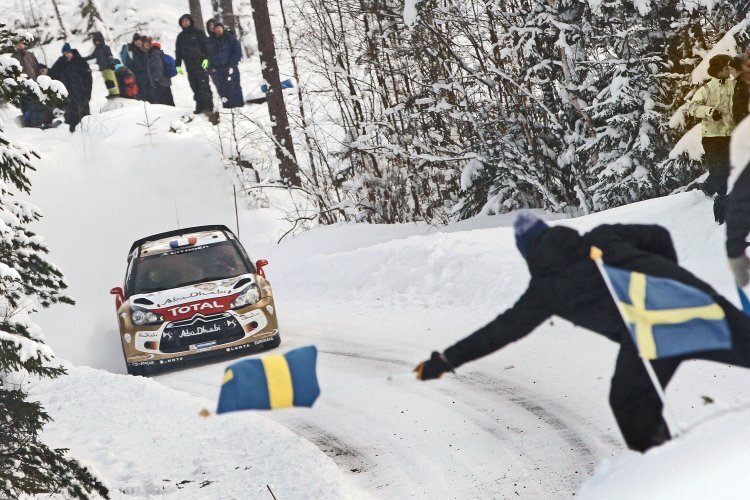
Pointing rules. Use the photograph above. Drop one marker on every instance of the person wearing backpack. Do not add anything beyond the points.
(126, 52)
(224, 57)
(126, 81)
(192, 47)
(102, 54)
(158, 81)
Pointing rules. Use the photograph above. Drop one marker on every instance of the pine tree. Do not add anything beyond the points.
(27, 280)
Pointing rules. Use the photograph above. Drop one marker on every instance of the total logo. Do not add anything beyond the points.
(197, 307)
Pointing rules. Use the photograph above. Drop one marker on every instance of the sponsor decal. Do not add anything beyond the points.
(191, 295)
(185, 250)
(269, 309)
(128, 338)
(202, 346)
(141, 363)
(141, 356)
(262, 341)
(199, 331)
(148, 335)
(190, 309)
(170, 360)
(239, 347)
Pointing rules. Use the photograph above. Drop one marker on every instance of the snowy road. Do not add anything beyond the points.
(477, 435)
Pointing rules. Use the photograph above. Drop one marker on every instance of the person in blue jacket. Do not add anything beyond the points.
(224, 56)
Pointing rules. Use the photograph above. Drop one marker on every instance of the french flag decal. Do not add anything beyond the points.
(183, 242)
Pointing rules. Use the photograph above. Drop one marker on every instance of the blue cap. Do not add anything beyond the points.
(118, 66)
(527, 226)
(67, 48)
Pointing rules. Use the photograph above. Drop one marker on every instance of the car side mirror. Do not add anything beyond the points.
(259, 265)
(119, 296)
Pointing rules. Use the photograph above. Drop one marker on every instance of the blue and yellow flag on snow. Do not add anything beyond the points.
(271, 382)
(668, 318)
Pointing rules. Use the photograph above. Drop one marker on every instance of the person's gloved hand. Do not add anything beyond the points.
(716, 115)
(204, 63)
(740, 267)
(180, 70)
(433, 368)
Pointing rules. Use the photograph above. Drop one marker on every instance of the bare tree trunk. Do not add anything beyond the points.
(276, 107)
(228, 17)
(59, 19)
(308, 139)
(197, 13)
(217, 9)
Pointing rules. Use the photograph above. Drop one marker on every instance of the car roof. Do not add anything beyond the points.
(158, 243)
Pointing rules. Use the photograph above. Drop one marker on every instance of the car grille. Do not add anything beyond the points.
(219, 328)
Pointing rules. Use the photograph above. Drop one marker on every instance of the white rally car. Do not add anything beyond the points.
(190, 295)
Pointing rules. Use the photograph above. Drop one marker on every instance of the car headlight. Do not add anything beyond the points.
(247, 297)
(142, 317)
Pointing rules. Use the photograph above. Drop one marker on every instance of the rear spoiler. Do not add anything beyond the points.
(180, 232)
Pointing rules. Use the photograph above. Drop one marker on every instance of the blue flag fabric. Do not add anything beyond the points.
(285, 84)
(744, 301)
(271, 382)
(668, 318)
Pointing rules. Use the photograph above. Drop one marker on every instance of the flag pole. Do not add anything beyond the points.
(668, 414)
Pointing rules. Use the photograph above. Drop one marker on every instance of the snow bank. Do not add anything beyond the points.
(711, 461)
(146, 440)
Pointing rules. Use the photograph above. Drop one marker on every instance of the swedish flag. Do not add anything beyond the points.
(668, 318)
(271, 382)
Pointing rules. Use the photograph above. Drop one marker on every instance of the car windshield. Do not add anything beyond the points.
(188, 266)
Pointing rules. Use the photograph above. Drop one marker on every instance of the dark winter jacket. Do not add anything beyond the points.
(566, 282)
(191, 46)
(225, 51)
(75, 75)
(139, 66)
(29, 64)
(155, 67)
(101, 53)
(740, 101)
(738, 215)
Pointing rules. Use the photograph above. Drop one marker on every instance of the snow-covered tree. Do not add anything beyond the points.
(27, 281)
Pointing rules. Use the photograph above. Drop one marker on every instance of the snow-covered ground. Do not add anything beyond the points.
(531, 420)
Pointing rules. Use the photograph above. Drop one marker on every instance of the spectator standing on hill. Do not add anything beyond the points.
(29, 63)
(712, 103)
(102, 54)
(71, 69)
(224, 59)
(192, 48)
(126, 52)
(160, 91)
(139, 66)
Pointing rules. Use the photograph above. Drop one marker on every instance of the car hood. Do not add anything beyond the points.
(206, 298)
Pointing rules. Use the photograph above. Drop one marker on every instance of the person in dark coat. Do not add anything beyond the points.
(741, 98)
(126, 51)
(103, 55)
(71, 69)
(159, 85)
(567, 283)
(224, 57)
(192, 47)
(139, 66)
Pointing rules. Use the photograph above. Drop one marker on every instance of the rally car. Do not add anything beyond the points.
(192, 295)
